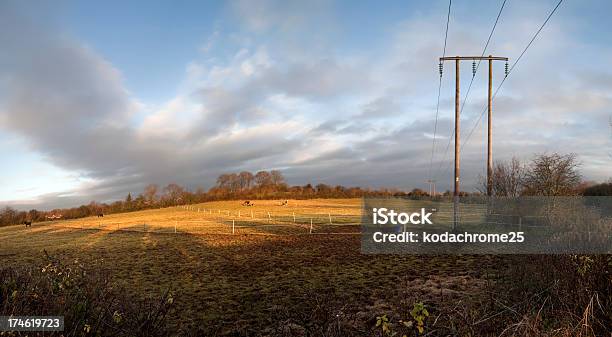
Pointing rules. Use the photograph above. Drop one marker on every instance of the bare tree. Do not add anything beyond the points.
(234, 182)
(552, 175)
(263, 179)
(246, 180)
(223, 181)
(173, 193)
(507, 179)
(277, 178)
(150, 193)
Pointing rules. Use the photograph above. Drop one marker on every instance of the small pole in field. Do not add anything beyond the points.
(175, 223)
(269, 217)
(233, 227)
(330, 220)
(293, 217)
(238, 213)
(251, 214)
(310, 226)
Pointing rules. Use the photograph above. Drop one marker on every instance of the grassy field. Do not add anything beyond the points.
(227, 217)
(273, 284)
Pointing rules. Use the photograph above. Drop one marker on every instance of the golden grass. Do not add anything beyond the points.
(230, 283)
(226, 217)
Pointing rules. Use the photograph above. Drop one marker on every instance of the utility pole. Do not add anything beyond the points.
(489, 132)
(457, 59)
(432, 187)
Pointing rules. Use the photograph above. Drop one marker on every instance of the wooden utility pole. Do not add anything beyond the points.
(489, 132)
(432, 187)
(457, 149)
(457, 59)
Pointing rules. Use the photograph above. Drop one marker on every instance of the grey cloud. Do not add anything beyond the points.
(381, 107)
(71, 106)
(325, 78)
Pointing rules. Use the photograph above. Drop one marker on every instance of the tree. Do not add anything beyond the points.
(603, 189)
(417, 192)
(507, 179)
(173, 193)
(127, 204)
(552, 175)
(276, 178)
(323, 190)
(150, 193)
(263, 179)
(246, 179)
(234, 182)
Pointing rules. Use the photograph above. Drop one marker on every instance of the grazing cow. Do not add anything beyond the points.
(284, 203)
(27, 223)
(100, 215)
(248, 203)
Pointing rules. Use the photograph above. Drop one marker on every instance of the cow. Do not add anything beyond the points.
(100, 215)
(27, 223)
(284, 203)
(248, 203)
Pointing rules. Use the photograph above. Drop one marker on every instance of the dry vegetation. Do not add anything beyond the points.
(297, 285)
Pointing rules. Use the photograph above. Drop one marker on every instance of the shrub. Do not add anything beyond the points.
(90, 303)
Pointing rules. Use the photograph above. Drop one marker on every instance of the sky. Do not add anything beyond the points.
(99, 99)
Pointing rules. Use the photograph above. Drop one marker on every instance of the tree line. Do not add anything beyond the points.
(544, 175)
(229, 186)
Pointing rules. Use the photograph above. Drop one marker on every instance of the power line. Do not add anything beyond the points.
(470, 86)
(433, 144)
(512, 68)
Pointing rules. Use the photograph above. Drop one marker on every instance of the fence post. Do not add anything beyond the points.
(251, 214)
(330, 220)
(238, 213)
(310, 226)
(175, 223)
(233, 226)
(269, 217)
(293, 217)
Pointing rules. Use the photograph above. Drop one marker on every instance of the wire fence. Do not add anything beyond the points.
(223, 221)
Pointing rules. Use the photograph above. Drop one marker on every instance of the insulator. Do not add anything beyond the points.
(441, 67)
(506, 69)
(473, 68)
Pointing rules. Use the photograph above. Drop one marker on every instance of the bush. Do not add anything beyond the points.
(565, 294)
(90, 304)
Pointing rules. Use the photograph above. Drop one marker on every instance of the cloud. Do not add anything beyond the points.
(280, 100)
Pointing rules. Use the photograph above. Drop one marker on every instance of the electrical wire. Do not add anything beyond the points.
(484, 50)
(433, 144)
